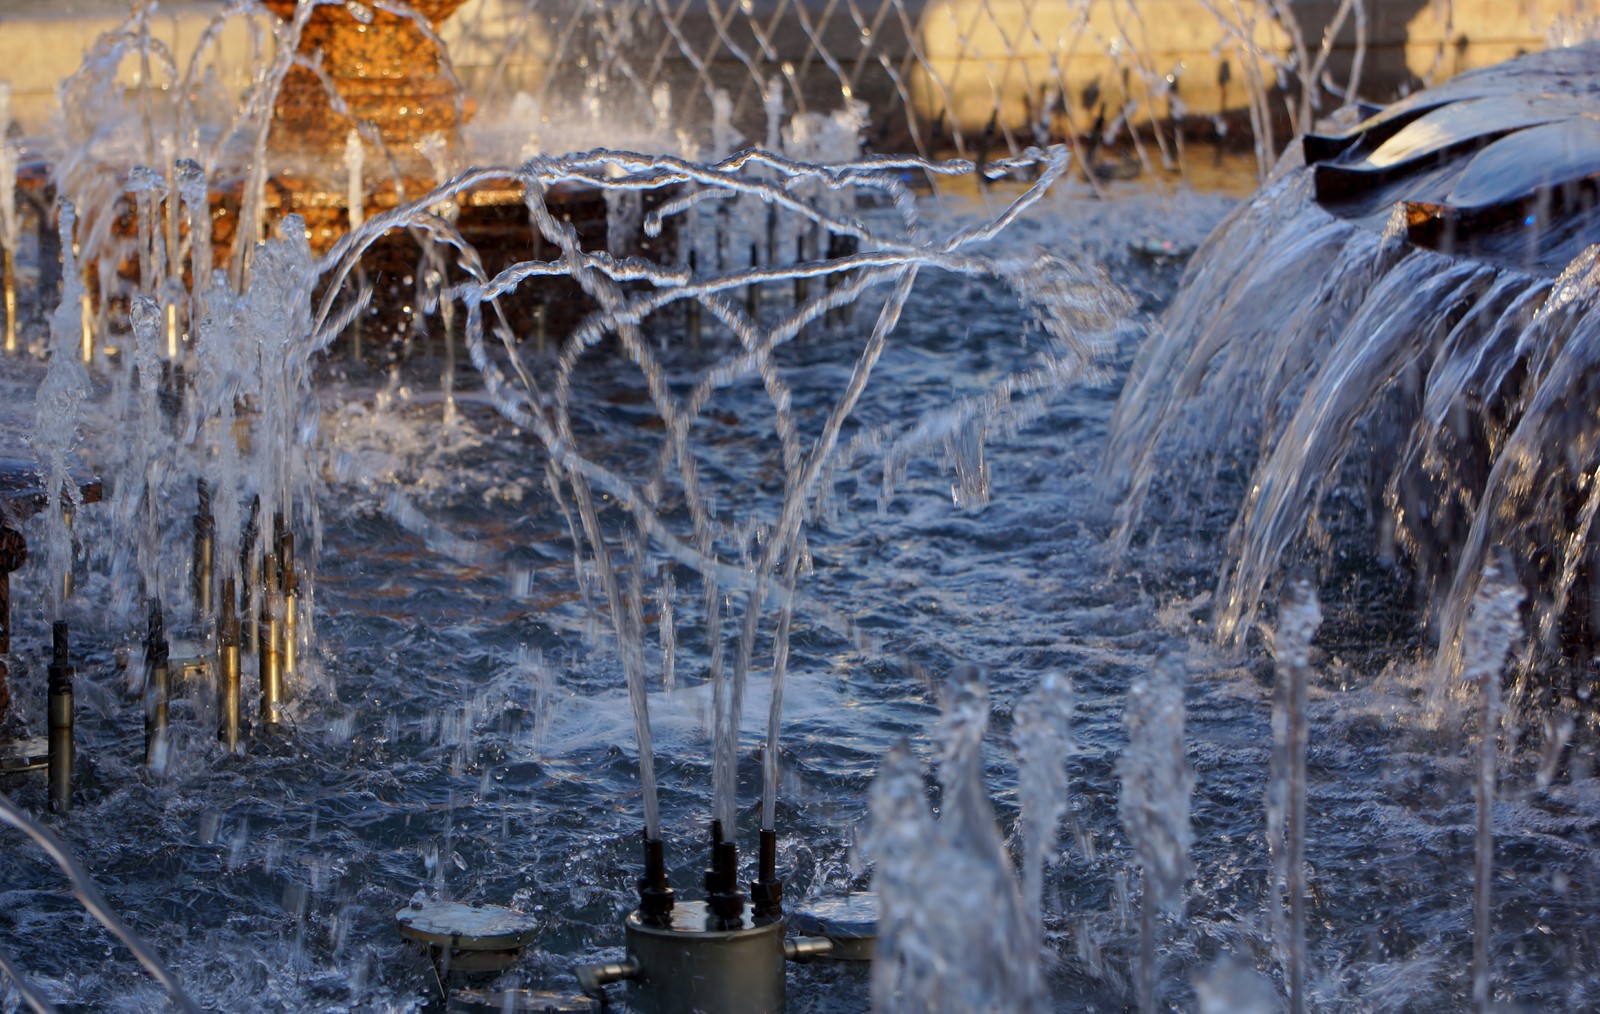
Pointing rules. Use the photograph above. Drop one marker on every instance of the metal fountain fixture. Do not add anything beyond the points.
(23, 493)
(715, 955)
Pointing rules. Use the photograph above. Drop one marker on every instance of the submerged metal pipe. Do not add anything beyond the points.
(60, 721)
(157, 688)
(804, 949)
(228, 670)
(594, 978)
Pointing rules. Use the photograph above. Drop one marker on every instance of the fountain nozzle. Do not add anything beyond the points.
(766, 891)
(158, 685)
(655, 897)
(61, 752)
(228, 636)
(723, 897)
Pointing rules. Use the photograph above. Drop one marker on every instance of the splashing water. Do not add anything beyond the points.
(1043, 740)
(1154, 804)
(1496, 628)
(1299, 616)
(938, 878)
(57, 410)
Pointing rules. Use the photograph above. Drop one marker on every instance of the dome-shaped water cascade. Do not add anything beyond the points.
(1397, 328)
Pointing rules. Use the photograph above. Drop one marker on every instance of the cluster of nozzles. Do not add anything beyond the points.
(271, 606)
(711, 955)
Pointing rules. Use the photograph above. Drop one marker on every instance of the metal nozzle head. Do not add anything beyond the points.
(228, 625)
(723, 896)
(766, 891)
(655, 897)
(156, 649)
(59, 672)
(714, 872)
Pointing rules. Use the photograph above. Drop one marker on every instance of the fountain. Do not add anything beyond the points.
(410, 687)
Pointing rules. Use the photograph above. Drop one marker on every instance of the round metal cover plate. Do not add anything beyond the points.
(24, 754)
(466, 927)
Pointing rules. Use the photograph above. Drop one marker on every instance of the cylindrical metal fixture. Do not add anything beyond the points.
(205, 530)
(250, 575)
(766, 891)
(268, 656)
(290, 582)
(228, 670)
(693, 965)
(72, 552)
(723, 897)
(655, 895)
(594, 978)
(157, 688)
(60, 720)
(10, 269)
(13, 554)
(804, 949)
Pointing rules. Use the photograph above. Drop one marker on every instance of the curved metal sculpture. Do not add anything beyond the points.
(1501, 164)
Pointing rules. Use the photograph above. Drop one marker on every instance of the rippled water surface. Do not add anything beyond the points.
(463, 730)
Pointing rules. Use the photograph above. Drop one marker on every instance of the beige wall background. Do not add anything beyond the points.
(959, 67)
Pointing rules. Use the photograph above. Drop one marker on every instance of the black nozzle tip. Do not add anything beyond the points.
(59, 672)
(655, 897)
(766, 891)
(723, 896)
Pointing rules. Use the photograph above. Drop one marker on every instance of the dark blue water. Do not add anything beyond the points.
(464, 731)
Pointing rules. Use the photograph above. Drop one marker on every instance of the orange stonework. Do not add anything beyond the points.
(390, 75)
